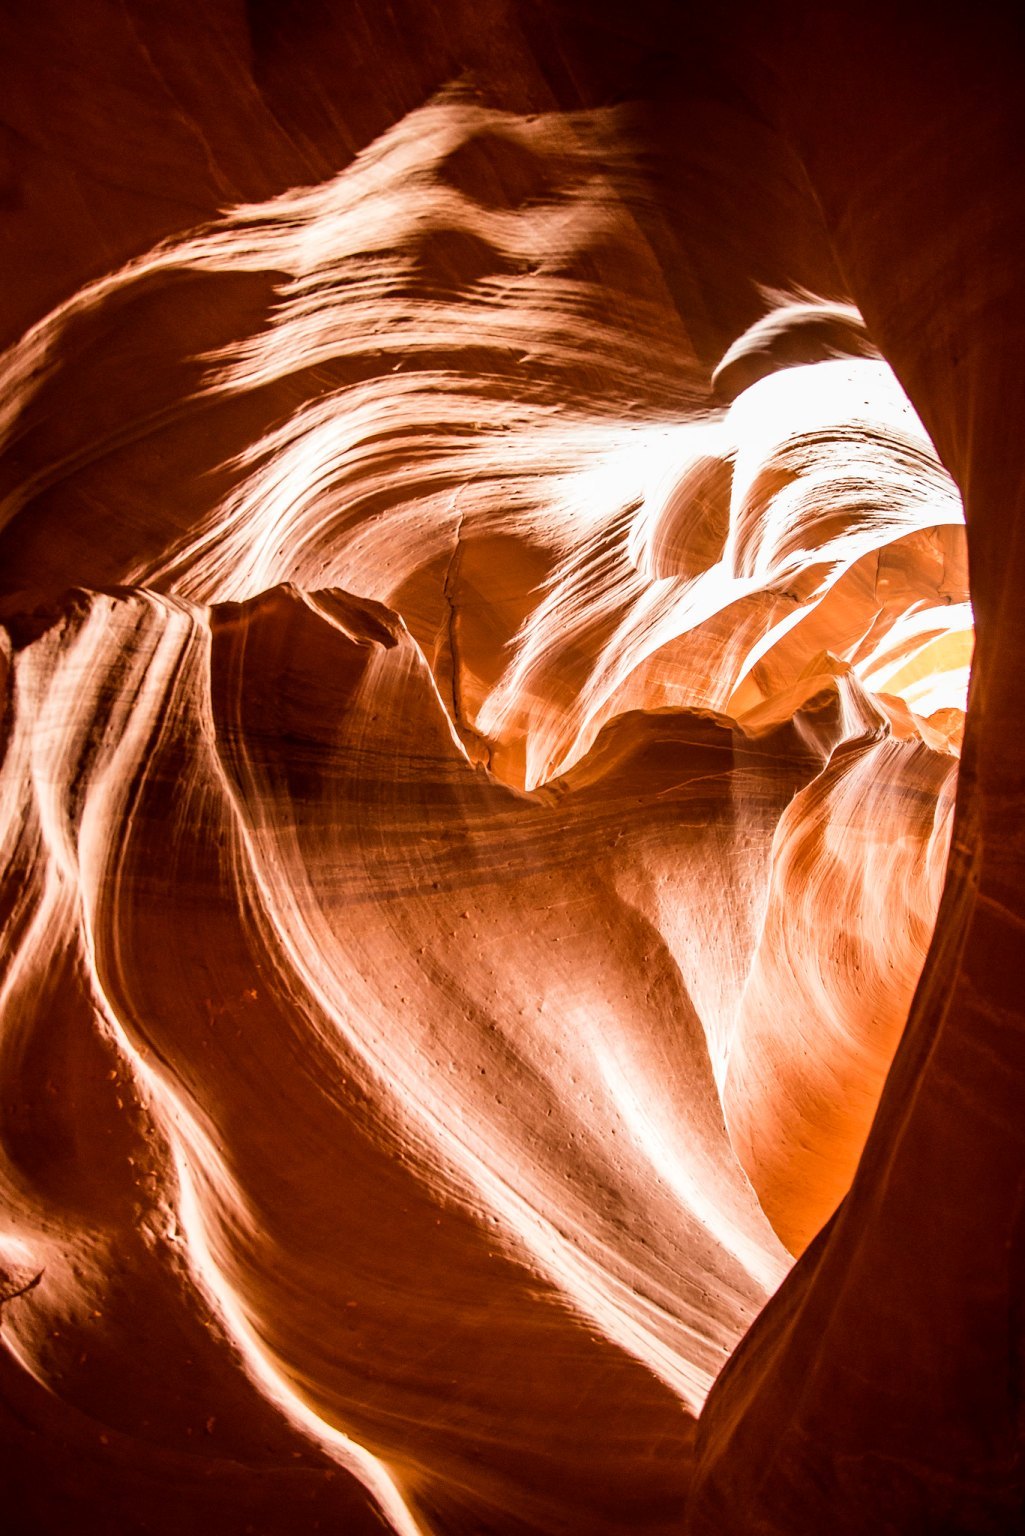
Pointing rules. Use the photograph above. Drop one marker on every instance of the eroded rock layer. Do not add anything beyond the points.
(483, 702)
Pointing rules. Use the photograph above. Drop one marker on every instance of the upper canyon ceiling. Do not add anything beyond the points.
(509, 1017)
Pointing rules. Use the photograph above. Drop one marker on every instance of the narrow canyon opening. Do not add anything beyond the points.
(498, 942)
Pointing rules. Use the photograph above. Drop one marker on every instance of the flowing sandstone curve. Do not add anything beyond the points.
(479, 765)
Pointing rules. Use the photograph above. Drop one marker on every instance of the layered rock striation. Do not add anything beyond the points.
(485, 655)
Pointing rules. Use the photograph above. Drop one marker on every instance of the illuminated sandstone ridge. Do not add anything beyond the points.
(477, 789)
(331, 953)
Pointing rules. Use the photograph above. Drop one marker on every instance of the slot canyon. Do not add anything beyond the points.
(511, 768)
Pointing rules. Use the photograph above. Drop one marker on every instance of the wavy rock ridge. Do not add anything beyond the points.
(476, 795)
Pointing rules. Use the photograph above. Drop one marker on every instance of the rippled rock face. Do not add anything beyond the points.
(486, 639)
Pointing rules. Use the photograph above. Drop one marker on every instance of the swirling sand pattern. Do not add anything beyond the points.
(436, 723)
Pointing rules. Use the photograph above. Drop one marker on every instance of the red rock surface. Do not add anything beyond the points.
(492, 1039)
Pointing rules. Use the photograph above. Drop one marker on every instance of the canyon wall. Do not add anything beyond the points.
(511, 907)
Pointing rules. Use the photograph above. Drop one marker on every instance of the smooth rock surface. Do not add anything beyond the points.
(486, 635)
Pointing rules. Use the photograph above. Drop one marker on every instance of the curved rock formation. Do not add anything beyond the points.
(485, 659)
